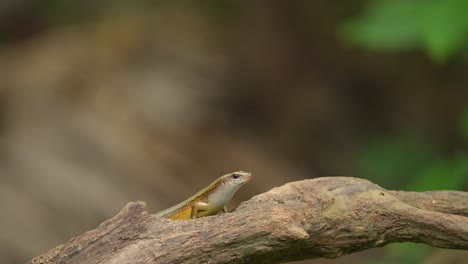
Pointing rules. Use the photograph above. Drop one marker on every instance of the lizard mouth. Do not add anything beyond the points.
(248, 176)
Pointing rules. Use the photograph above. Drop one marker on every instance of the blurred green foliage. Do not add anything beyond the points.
(409, 162)
(401, 253)
(438, 27)
(464, 124)
(442, 174)
(407, 252)
(441, 29)
(393, 161)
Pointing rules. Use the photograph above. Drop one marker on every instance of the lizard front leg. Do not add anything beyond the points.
(197, 208)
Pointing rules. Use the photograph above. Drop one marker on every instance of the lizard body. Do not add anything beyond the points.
(210, 200)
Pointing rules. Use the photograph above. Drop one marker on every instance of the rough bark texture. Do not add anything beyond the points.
(324, 217)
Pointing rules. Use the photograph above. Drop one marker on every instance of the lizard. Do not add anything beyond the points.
(210, 200)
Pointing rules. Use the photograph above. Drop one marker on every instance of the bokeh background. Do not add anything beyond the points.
(107, 102)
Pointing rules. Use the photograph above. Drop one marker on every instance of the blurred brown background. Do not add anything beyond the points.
(110, 102)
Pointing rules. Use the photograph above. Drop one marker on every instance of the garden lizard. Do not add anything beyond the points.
(210, 200)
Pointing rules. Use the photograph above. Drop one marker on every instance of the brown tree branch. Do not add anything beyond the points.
(448, 202)
(324, 217)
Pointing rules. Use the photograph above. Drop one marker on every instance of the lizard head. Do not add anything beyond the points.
(237, 178)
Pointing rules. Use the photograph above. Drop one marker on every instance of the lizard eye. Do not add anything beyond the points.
(235, 176)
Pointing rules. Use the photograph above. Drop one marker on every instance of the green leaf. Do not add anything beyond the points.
(438, 27)
(387, 25)
(443, 27)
